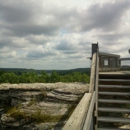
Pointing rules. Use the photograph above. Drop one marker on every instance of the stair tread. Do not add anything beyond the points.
(120, 80)
(114, 93)
(113, 101)
(114, 73)
(109, 109)
(113, 119)
(113, 86)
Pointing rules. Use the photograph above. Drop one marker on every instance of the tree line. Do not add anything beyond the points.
(43, 77)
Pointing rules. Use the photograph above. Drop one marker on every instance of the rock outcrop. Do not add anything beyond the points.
(38, 106)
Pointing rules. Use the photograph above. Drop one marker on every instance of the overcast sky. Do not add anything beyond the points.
(57, 34)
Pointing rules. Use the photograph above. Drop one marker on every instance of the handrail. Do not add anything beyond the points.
(77, 118)
(90, 122)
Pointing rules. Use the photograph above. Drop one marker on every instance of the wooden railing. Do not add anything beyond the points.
(109, 62)
(76, 121)
(125, 66)
(83, 117)
(91, 118)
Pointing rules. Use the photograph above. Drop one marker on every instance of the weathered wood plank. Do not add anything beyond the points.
(89, 117)
(92, 78)
(77, 118)
(96, 89)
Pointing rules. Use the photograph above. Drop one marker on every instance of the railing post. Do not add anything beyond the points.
(94, 48)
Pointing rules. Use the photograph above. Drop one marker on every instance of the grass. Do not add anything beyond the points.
(16, 113)
(37, 116)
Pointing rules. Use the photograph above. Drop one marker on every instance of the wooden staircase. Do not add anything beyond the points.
(113, 101)
(107, 104)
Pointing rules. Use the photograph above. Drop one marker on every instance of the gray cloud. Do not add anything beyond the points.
(37, 54)
(40, 54)
(106, 17)
(113, 37)
(15, 11)
(78, 56)
(38, 39)
(22, 18)
(13, 43)
(36, 31)
(65, 46)
(69, 52)
(29, 29)
(4, 42)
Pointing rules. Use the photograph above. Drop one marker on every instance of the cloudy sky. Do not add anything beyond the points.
(57, 34)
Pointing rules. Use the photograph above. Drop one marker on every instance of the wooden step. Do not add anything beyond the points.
(114, 93)
(115, 80)
(113, 86)
(114, 76)
(109, 109)
(113, 119)
(112, 101)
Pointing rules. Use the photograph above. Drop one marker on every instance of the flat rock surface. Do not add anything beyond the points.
(53, 99)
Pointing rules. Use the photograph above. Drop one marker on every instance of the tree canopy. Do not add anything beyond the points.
(43, 77)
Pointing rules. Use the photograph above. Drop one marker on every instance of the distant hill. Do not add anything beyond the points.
(82, 70)
(17, 70)
(62, 72)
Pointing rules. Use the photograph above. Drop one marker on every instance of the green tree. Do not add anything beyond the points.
(43, 77)
(77, 76)
(55, 77)
(85, 78)
(9, 78)
(68, 78)
(29, 77)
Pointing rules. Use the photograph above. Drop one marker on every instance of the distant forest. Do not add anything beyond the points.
(16, 75)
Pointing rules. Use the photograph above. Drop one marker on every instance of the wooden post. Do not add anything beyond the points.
(92, 77)
(93, 67)
(94, 48)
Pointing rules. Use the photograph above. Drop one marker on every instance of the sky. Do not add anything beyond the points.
(57, 34)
